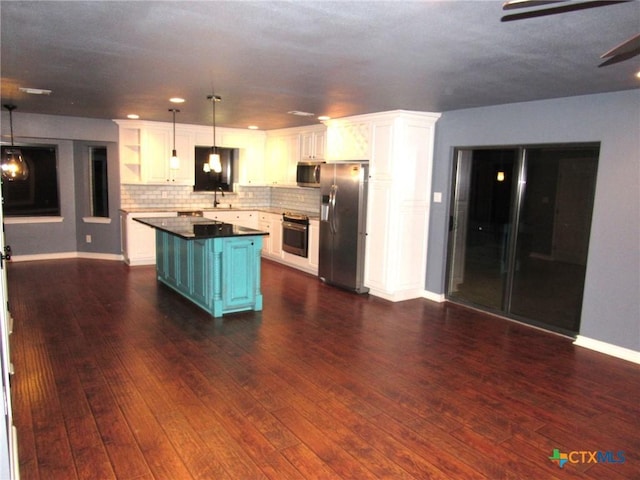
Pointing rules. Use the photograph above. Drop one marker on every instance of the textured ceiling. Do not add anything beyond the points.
(108, 59)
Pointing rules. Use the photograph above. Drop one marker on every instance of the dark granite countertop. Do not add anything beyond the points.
(193, 228)
(276, 210)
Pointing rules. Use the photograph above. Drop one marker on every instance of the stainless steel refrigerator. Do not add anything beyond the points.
(343, 222)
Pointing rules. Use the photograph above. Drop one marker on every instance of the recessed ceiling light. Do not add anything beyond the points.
(133, 116)
(638, 74)
(253, 127)
(300, 114)
(176, 100)
(35, 91)
(322, 118)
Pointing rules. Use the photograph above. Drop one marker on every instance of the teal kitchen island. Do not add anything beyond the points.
(216, 265)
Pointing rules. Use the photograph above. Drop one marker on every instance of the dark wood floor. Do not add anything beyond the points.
(118, 377)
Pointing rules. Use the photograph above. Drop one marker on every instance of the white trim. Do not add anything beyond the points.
(608, 349)
(44, 219)
(96, 219)
(65, 255)
(434, 297)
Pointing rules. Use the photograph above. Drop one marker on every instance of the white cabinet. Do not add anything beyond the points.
(138, 241)
(349, 138)
(244, 218)
(272, 244)
(314, 244)
(145, 149)
(129, 143)
(251, 146)
(282, 158)
(399, 147)
(313, 143)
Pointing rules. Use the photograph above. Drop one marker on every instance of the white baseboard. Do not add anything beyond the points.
(608, 349)
(434, 297)
(64, 255)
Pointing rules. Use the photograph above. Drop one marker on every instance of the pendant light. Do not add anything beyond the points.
(214, 158)
(13, 165)
(174, 161)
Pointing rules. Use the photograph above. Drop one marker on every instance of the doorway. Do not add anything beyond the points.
(519, 231)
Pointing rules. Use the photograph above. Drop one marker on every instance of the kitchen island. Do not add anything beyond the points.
(214, 264)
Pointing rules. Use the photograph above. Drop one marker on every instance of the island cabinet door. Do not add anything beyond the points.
(200, 291)
(183, 265)
(165, 258)
(239, 273)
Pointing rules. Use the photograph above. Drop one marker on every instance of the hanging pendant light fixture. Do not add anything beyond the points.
(214, 158)
(13, 164)
(174, 161)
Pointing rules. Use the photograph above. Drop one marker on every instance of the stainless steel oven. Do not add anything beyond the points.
(295, 234)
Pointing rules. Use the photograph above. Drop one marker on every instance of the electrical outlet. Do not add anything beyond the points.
(88, 238)
(165, 194)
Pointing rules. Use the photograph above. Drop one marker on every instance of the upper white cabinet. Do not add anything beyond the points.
(287, 146)
(156, 147)
(251, 146)
(349, 138)
(313, 143)
(282, 157)
(145, 149)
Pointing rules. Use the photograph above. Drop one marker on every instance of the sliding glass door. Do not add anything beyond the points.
(519, 231)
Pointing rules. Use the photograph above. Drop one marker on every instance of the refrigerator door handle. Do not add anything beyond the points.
(332, 208)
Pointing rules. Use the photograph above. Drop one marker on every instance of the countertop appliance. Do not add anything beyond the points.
(295, 234)
(308, 174)
(343, 221)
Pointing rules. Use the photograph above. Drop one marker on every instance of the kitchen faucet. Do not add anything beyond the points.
(215, 197)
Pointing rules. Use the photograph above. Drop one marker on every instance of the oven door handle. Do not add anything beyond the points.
(294, 226)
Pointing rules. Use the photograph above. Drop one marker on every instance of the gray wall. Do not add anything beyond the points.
(611, 306)
(69, 134)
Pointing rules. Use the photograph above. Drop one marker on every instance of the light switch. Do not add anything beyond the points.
(437, 197)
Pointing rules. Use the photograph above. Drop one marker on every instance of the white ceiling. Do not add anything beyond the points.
(108, 59)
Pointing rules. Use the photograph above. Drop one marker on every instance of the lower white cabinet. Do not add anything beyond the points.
(272, 245)
(138, 241)
(244, 218)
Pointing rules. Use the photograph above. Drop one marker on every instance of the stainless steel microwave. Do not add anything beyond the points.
(308, 174)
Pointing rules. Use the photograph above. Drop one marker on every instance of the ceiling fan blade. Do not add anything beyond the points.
(620, 57)
(565, 7)
(627, 46)
(514, 4)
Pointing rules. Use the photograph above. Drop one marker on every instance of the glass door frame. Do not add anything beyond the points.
(518, 192)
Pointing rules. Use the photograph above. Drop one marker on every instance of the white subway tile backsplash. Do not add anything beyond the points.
(183, 197)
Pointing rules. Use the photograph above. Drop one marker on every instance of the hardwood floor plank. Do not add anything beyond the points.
(343, 462)
(308, 463)
(201, 461)
(512, 464)
(89, 453)
(119, 377)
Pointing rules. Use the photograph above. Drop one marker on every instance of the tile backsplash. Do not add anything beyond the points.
(183, 197)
